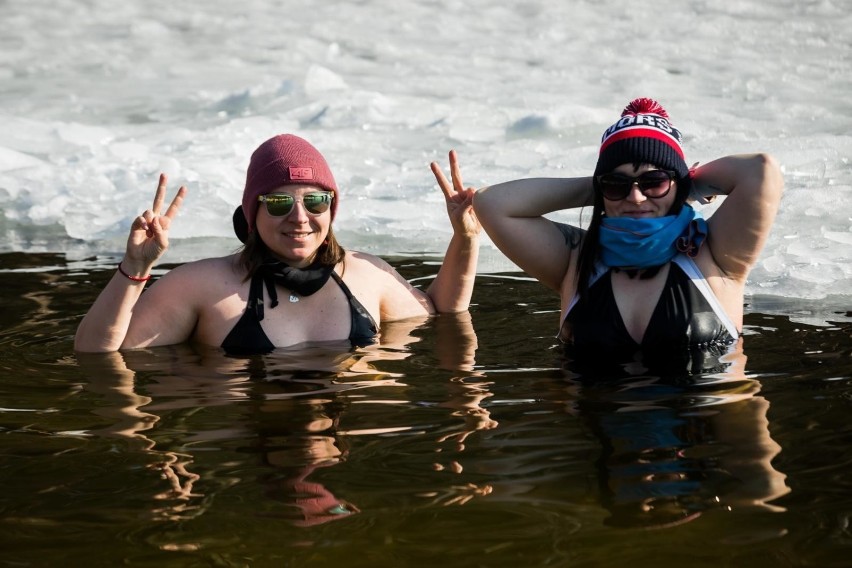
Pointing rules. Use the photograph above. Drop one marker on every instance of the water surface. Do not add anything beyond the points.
(461, 441)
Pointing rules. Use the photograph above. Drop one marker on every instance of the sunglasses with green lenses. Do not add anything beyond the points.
(280, 204)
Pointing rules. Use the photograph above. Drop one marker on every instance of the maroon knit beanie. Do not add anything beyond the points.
(285, 160)
(643, 135)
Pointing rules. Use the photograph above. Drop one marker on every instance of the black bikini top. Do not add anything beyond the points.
(247, 337)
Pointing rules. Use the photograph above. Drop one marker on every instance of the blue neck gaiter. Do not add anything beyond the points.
(642, 243)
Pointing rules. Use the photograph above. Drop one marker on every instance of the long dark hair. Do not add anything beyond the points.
(591, 242)
(255, 252)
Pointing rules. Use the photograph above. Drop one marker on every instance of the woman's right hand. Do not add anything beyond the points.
(149, 233)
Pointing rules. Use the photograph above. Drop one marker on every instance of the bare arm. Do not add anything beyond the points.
(105, 325)
(453, 286)
(738, 229)
(167, 313)
(512, 215)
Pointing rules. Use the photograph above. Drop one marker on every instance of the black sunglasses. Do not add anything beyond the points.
(280, 204)
(654, 184)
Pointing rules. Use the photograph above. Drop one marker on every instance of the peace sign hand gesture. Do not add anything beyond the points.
(149, 233)
(459, 200)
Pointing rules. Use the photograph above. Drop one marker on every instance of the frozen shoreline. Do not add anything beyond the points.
(383, 88)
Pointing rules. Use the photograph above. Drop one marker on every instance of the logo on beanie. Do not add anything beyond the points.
(643, 134)
(643, 118)
(301, 174)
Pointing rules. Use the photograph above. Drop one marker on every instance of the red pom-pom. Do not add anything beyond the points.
(645, 106)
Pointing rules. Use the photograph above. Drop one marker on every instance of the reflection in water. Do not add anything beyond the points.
(185, 457)
(671, 445)
(283, 407)
(135, 417)
(456, 344)
(296, 437)
(184, 380)
(465, 395)
(677, 444)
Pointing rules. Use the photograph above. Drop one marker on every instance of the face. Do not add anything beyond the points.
(637, 204)
(295, 237)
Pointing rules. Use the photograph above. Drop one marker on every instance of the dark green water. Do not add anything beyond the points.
(462, 443)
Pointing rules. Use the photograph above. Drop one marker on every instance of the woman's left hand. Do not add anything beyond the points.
(701, 192)
(459, 200)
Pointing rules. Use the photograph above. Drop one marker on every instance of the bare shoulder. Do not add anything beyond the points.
(368, 265)
(363, 258)
(382, 289)
(208, 274)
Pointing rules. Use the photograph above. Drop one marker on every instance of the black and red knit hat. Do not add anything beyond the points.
(282, 160)
(643, 135)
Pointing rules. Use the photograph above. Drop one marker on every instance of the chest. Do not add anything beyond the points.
(667, 310)
(322, 316)
(636, 299)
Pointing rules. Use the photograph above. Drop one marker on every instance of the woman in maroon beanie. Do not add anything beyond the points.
(326, 293)
(649, 272)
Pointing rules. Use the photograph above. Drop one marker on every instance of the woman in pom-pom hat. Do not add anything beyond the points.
(649, 272)
(328, 294)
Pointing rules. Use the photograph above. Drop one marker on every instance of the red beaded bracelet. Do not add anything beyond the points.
(134, 278)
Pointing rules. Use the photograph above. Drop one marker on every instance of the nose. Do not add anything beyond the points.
(298, 214)
(636, 195)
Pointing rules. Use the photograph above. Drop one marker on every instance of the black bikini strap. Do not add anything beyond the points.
(337, 278)
(269, 280)
(255, 299)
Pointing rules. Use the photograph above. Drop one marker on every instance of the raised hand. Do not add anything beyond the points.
(459, 200)
(149, 233)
